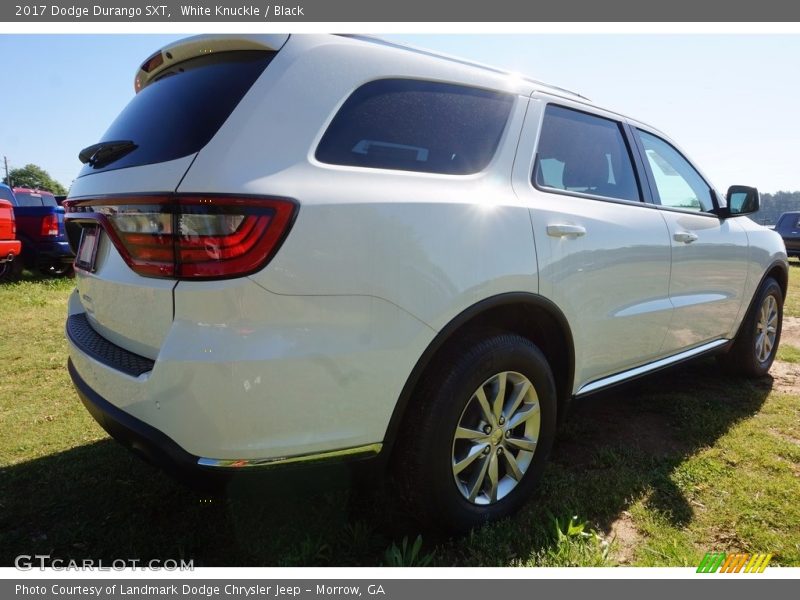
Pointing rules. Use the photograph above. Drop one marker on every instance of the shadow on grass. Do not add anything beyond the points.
(99, 501)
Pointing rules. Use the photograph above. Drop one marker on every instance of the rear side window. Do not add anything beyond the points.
(411, 125)
(180, 112)
(584, 153)
(5, 194)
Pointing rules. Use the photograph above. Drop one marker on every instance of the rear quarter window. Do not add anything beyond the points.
(412, 125)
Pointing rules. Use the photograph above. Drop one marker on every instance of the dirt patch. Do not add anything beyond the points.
(786, 377)
(727, 540)
(624, 537)
(790, 331)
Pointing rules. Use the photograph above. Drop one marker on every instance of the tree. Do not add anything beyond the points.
(34, 176)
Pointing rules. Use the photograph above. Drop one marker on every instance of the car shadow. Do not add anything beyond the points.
(98, 501)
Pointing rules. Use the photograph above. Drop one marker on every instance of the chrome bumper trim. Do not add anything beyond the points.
(239, 463)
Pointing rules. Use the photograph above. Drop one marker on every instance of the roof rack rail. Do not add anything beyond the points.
(463, 61)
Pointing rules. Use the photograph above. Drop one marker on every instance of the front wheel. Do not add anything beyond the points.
(756, 344)
(477, 438)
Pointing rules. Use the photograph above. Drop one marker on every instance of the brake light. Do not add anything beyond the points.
(13, 225)
(190, 237)
(50, 226)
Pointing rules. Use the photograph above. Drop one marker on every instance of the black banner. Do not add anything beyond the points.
(442, 11)
(392, 589)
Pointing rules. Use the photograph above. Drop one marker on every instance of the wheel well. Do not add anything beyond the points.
(528, 315)
(540, 327)
(779, 274)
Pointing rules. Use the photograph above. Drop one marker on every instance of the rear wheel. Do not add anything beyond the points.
(10, 270)
(56, 270)
(477, 438)
(756, 344)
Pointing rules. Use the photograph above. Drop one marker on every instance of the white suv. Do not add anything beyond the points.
(308, 248)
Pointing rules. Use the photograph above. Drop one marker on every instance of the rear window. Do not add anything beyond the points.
(35, 199)
(415, 125)
(180, 112)
(5, 194)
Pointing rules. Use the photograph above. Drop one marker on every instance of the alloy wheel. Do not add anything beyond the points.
(496, 438)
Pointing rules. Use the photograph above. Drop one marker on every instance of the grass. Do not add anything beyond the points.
(655, 473)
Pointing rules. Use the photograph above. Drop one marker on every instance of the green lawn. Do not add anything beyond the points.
(655, 473)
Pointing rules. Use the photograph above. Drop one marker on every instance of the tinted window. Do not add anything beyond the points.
(417, 126)
(5, 194)
(180, 112)
(31, 199)
(678, 184)
(584, 153)
(790, 222)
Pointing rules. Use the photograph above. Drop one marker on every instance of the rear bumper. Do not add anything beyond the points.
(38, 254)
(9, 249)
(248, 378)
(161, 451)
(58, 252)
(139, 437)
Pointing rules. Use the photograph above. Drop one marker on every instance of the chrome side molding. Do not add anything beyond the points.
(238, 463)
(653, 366)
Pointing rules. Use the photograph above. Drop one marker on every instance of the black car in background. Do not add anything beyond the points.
(788, 226)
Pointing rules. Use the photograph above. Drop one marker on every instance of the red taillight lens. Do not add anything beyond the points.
(191, 237)
(50, 226)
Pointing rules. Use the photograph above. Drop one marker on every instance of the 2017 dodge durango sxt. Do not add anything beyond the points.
(299, 248)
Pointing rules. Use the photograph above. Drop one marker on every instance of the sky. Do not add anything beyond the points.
(730, 101)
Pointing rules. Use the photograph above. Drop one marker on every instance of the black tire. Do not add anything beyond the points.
(56, 270)
(742, 359)
(10, 271)
(425, 458)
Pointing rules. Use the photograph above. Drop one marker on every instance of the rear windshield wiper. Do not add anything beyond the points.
(103, 153)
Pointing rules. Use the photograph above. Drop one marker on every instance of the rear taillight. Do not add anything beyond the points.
(50, 226)
(190, 237)
(13, 225)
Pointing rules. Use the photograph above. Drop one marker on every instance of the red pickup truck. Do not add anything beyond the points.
(10, 247)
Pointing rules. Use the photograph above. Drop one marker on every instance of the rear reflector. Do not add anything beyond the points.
(189, 237)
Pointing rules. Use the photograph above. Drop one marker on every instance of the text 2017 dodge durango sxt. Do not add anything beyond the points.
(298, 248)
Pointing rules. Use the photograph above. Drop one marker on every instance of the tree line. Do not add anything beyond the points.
(35, 177)
(774, 205)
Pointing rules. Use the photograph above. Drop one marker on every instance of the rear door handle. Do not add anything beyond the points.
(685, 236)
(565, 230)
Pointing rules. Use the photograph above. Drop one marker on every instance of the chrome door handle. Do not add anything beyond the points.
(685, 236)
(565, 230)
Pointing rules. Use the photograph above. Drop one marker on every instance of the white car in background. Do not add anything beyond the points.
(293, 249)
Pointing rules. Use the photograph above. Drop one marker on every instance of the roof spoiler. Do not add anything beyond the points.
(199, 45)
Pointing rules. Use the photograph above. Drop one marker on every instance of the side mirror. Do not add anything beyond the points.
(742, 200)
